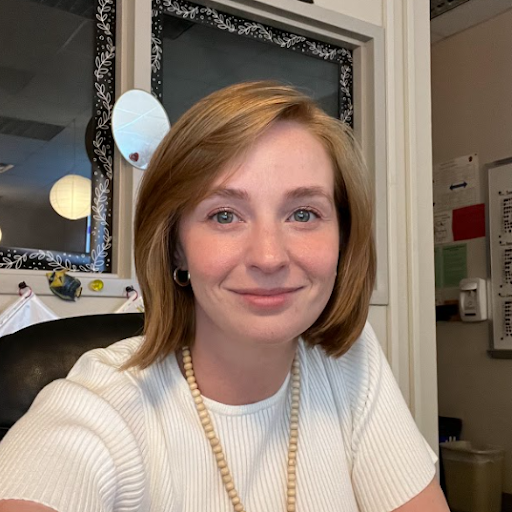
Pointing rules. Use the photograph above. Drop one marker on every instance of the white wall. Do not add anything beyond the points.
(406, 324)
(472, 112)
(365, 10)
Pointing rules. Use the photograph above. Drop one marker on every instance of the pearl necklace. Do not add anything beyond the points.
(206, 422)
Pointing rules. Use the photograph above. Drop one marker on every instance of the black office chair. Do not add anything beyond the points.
(39, 354)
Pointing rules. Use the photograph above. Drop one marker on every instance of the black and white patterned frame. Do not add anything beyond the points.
(100, 257)
(251, 29)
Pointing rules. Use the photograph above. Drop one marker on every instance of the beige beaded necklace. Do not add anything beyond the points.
(206, 421)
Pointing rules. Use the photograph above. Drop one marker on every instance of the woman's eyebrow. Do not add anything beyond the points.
(233, 193)
(306, 192)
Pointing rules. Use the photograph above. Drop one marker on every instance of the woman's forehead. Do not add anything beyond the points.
(286, 153)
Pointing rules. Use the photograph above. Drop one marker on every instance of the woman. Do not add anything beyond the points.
(258, 385)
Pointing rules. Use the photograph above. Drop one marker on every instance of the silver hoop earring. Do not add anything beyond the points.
(178, 281)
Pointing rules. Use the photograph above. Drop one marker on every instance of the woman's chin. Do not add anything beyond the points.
(269, 337)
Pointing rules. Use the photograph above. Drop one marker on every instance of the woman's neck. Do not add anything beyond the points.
(239, 373)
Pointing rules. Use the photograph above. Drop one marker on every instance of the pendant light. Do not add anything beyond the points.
(70, 196)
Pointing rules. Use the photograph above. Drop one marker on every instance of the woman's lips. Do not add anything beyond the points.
(267, 298)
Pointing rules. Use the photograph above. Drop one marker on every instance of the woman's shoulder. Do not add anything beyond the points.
(366, 351)
(100, 372)
(102, 366)
(88, 427)
(350, 375)
(96, 382)
(113, 356)
(96, 396)
(356, 360)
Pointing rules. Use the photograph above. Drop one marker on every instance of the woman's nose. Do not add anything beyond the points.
(267, 249)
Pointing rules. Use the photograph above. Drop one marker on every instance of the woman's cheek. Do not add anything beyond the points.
(213, 255)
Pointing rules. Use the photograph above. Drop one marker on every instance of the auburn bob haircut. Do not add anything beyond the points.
(210, 135)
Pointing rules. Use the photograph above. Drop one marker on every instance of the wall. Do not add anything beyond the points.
(365, 10)
(405, 324)
(472, 112)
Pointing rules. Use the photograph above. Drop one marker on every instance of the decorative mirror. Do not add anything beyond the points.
(197, 49)
(56, 147)
(139, 123)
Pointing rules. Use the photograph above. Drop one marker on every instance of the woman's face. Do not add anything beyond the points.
(262, 250)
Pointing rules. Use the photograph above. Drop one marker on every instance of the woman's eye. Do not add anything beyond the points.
(224, 217)
(303, 215)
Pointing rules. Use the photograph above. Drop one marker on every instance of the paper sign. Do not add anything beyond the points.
(456, 183)
(454, 265)
(443, 227)
(469, 222)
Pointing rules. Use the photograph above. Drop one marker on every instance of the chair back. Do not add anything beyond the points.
(39, 354)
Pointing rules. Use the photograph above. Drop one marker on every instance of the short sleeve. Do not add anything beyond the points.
(76, 450)
(392, 462)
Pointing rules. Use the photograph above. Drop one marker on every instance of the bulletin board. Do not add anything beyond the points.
(459, 221)
(500, 255)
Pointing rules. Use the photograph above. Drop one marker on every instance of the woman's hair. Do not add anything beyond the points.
(198, 148)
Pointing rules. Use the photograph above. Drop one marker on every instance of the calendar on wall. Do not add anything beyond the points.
(500, 253)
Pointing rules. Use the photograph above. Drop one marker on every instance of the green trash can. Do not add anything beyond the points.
(474, 476)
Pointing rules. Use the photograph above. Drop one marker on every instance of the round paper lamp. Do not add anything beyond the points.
(0, 235)
(70, 197)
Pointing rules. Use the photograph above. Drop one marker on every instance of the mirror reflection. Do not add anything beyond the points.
(225, 58)
(46, 102)
(139, 123)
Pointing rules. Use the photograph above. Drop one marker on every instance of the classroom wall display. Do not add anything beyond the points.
(459, 216)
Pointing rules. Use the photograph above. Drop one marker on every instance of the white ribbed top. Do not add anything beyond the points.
(103, 440)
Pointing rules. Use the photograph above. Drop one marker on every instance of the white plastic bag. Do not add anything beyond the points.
(27, 310)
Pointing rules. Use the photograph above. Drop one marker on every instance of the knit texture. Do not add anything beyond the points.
(104, 440)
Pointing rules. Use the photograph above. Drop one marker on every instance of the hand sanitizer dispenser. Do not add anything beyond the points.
(473, 299)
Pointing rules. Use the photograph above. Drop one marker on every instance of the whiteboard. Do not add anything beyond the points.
(500, 252)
